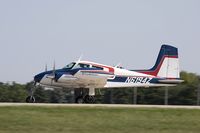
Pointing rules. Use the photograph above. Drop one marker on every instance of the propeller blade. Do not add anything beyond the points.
(45, 67)
(52, 81)
(54, 72)
(54, 68)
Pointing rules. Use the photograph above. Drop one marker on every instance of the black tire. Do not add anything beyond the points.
(30, 99)
(89, 99)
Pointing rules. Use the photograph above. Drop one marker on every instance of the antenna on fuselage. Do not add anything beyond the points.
(79, 59)
(118, 65)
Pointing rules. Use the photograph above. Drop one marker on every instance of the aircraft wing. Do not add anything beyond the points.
(87, 79)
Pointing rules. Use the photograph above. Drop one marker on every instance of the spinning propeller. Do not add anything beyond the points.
(52, 76)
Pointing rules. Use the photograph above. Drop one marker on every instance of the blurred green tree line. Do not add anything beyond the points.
(183, 94)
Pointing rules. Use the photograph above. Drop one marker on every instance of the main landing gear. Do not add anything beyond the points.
(82, 96)
(85, 99)
(31, 98)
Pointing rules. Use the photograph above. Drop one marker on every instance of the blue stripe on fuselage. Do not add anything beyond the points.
(134, 79)
(60, 72)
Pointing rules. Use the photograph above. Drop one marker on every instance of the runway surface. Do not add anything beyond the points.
(100, 105)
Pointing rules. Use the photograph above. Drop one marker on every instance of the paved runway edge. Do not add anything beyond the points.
(100, 105)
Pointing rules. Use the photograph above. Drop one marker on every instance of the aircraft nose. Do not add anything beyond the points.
(38, 77)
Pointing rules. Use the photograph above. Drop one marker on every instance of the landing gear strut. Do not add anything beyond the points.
(83, 97)
(31, 98)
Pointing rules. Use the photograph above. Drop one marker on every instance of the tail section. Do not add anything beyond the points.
(167, 63)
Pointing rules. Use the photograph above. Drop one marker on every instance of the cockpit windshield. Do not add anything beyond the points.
(70, 66)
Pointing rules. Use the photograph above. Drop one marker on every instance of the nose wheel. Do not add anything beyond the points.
(31, 98)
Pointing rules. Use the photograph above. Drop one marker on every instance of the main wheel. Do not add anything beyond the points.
(89, 99)
(79, 100)
(30, 99)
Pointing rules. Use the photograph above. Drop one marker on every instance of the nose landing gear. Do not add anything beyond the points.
(31, 98)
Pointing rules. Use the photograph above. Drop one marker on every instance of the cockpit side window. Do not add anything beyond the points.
(80, 65)
(97, 67)
(120, 67)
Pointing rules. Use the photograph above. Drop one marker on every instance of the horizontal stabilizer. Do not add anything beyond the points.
(171, 81)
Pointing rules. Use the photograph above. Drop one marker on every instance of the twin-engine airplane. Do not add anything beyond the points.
(85, 75)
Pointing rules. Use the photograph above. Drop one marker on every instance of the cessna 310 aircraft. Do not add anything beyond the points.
(86, 75)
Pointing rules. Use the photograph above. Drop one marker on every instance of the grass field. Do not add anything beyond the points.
(98, 120)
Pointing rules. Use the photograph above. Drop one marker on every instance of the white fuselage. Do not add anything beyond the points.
(113, 77)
